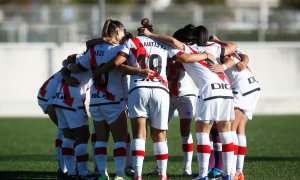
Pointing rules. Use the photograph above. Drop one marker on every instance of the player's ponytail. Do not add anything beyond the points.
(201, 34)
(110, 28)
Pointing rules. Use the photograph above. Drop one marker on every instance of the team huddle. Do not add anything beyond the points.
(146, 78)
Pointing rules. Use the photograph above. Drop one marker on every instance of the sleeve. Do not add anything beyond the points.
(125, 49)
(84, 61)
(173, 53)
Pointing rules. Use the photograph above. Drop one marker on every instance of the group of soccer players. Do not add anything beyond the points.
(148, 77)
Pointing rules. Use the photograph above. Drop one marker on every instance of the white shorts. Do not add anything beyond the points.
(246, 103)
(108, 112)
(44, 103)
(184, 105)
(214, 110)
(150, 103)
(71, 119)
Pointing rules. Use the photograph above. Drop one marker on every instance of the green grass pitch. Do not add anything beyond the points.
(27, 149)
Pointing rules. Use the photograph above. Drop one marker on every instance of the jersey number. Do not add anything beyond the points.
(154, 62)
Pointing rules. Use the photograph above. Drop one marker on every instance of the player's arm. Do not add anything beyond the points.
(93, 42)
(229, 47)
(66, 74)
(167, 39)
(244, 62)
(191, 58)
(227, 63)
(125, 69)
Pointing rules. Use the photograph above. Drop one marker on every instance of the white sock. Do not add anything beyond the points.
(82, 157)
(101, 157)
(187, 148)
(161, 156)
(234, 159)
(227, 151)
(138, 153)
(241, 152)
(58, 145)
(203, 153)
(120, 157)
(68, 155)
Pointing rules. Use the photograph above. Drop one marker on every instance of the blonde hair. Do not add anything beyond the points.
(110, 28)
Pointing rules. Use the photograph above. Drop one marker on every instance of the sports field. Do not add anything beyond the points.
(27, 152)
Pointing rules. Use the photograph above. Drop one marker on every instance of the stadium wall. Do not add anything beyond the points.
(25, 66)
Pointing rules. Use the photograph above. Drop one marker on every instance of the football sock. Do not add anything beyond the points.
(241, 152)
(101, 157)
(93, 142)
(68, 155)
(227, 151)
(128, 152)
(161, 156)
(217, 146)
(138, 153)
(58, 145)
(187, 149)
(235, 143)
(82, 157)
(120, 157)
(203, 153)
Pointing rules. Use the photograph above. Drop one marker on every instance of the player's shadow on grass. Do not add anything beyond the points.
(27, 175)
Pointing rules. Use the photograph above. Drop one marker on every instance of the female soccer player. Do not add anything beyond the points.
(215, 97)
(107, 103)
(148, 97)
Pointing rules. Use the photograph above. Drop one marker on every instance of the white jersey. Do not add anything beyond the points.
(71, 98)
(211, 85)
(109, 88)
(48, 90)
(241, 81)
(180, 83)
(147, 53)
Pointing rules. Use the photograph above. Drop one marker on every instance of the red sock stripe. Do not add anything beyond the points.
(120, 152)
(100, 150)
(187, 147)
(227, 147)
(203, 149)
(82, 158)
(93, 137)
(236, 149)
(242, 150)
(67, 151)
(138, 153)
(161, 156)
(58, 143)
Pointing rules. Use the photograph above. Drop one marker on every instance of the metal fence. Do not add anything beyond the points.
(75, 23)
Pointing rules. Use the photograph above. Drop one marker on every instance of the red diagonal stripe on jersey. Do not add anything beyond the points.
(82, 158)
(141, 50)
(242, 150)
(120, 152)
(68, 100)
(203, 149)
(227, 147)
(161, 156)
(43, 90)
(138, 153)
(67, 151)
(187, 147)
(100, 150)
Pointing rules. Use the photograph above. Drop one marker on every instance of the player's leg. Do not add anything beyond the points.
(128, 169)
(138, 126)
(102, 136)
(93, 142)
(119, 132)
(203, 147)
(239, 115)
(242, 145)
(216, 169)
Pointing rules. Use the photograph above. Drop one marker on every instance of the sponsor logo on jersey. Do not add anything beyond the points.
(220, 86)
(252, 80)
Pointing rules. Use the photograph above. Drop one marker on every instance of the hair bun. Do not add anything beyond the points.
(145, 22)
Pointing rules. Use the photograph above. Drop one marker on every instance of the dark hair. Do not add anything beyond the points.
(185, 34)
(110, 27)
(201, 34)
(145, 22)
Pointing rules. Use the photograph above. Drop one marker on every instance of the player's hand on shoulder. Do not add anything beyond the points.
(216, 68)
(241, 66)
(71, 81)
(144, 32)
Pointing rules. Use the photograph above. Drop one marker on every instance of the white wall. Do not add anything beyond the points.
(24, 67)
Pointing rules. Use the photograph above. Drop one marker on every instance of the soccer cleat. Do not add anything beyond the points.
(137, 178)
(187, 172)
(155, 171)
(103, 178)
(239, 176)
(86, 177)
(215, 173)
(71, 177)
(200, 178)
(119, 178)
(61, 174)
(227, 177)
(161, 177)
(129, 171)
